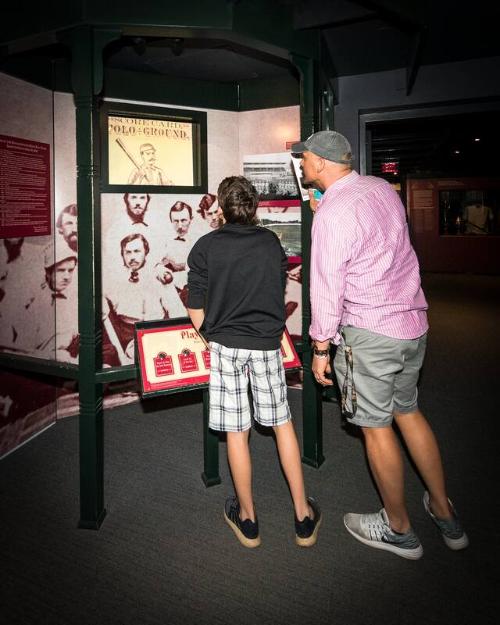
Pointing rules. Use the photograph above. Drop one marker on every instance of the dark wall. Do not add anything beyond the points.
(435, 84)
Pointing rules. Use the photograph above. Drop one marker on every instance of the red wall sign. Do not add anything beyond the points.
(24, 188)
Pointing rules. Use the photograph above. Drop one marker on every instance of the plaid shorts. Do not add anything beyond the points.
(231, 369)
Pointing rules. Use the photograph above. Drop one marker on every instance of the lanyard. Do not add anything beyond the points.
(345, 387)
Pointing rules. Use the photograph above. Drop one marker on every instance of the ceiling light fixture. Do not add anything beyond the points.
(139, 45)
(178, 47)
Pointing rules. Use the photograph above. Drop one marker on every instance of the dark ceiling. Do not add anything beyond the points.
(360, 36)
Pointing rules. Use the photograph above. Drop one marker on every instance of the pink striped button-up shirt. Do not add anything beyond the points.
(364, 271)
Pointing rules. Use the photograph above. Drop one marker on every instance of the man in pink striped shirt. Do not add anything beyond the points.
(366, 299)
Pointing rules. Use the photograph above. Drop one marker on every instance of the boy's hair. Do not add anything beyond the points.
(238, 200)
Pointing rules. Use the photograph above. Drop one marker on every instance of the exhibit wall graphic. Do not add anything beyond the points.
(272, 175)
(283, 217)
(27, 402)
(146, 240)
(38, 274)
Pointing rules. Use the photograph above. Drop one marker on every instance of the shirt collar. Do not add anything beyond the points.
(233, 226)
(341, 182)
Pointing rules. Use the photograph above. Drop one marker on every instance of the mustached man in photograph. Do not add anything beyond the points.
(134, 294)
(67, 226)
(147, 171)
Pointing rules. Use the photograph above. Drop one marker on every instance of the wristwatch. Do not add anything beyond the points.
(321, 353)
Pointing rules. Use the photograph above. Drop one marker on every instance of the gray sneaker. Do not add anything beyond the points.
(374, 530)
(451, 529)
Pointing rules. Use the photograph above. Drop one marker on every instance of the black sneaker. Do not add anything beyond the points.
(306, 531)
(247, 532)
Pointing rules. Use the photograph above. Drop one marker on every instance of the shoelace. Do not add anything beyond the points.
(375, 525)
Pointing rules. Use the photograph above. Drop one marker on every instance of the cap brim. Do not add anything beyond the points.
(299, 148)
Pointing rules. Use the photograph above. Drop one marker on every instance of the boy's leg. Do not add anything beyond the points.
(269, 393)
(230, 413)
(424, 450)
(240, 463)
(289, 454)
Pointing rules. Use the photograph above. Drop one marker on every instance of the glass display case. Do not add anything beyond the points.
(474, 212)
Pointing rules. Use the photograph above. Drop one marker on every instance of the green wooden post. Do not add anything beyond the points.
(210, 475)
(87, 70)
(312, 413)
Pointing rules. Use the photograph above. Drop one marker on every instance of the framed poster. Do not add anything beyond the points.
(153, 149)
(172, 357)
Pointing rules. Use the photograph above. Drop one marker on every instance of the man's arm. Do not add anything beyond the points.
(331, 251)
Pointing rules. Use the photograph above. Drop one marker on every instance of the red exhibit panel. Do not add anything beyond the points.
(24, 188)
(172, 356)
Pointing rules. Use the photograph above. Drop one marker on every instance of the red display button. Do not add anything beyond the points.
(206, 358)
(163, 364)
(188, 361)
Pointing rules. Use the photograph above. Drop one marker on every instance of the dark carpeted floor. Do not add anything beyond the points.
(164, 555)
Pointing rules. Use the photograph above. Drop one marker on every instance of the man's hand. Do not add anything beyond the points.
(320, 367)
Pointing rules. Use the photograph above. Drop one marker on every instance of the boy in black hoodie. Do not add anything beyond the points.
(236, 281)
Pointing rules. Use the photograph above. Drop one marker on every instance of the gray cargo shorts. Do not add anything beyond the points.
(379, 375)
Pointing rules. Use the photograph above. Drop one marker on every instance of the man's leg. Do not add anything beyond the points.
(424, 450)
(289, 454)
(386, 463)
(240, 463)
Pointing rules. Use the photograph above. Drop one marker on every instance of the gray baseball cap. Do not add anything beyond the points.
(328, 144)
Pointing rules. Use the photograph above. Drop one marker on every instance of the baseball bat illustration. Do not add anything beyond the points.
(113, 336)
(122, 145)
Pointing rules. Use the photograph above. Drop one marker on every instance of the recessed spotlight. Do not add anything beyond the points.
(456, 151)
(477, 139)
